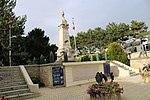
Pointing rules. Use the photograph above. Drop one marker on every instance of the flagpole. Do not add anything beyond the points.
(75, 46)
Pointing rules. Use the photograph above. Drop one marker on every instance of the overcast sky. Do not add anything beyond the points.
(46, 14)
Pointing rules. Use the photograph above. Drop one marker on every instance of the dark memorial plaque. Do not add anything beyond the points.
(58, 77)
(107, 69)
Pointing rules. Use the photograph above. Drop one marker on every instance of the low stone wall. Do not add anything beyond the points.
(75, 73)
(33, 70)
(81, 72)
(43, 72)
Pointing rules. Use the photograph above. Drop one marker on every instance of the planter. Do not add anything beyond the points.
(116, 96)
(111, 97)
(105, 91)
(97, 98)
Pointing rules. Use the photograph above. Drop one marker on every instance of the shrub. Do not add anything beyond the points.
(116, 52)
(36, 80)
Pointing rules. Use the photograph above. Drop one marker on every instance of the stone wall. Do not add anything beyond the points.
(75, 73)
(33, 70)
(43, 72)
(81, 72)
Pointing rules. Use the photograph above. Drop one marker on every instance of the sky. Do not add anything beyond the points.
(87, 14)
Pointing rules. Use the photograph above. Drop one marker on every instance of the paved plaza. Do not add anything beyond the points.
(134, 89)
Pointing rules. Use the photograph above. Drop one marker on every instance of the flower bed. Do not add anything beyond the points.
(105, 91)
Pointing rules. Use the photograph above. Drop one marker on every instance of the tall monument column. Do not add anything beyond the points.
(64, 40)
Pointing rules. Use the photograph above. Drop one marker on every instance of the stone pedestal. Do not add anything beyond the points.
(64, 41)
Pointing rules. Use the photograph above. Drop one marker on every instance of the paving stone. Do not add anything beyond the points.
(134, 89)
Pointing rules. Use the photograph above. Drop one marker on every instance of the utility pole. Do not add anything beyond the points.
(75, 45)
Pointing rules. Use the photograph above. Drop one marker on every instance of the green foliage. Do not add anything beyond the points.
(85, 58)
(89, 57)
(138, 27)
(100, 38)
(36, 80)
(19, 53)
(115, 52)
(93, 57)
(37, 44)
(143, 34)
(10, 23)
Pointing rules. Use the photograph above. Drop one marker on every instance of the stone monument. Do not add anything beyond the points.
(64, 41)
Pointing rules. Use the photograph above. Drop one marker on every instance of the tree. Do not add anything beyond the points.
(116, 52)
(92, 38)
(100, 38)
(37, 44)
(123, 30)
(19, 51)
(112, 32)
(9, 23)
(138, 27)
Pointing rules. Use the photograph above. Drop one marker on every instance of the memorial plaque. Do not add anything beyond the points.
(58, 78)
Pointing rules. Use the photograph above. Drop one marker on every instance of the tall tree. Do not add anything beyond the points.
(112, 32)
(123, 30)
(37, 44)
(138, 27)
(9, 23)
(19, 52)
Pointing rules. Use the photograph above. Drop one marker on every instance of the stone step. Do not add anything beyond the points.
(24, 96)
(4, 89)
(12, 75)
(9, 75)
(6, 72)
(14, 92)
(122, 67)
(12, 84)
(134, 74)
(6, 69)
(5, 81)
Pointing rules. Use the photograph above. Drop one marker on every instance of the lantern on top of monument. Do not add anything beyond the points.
(64, 40)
